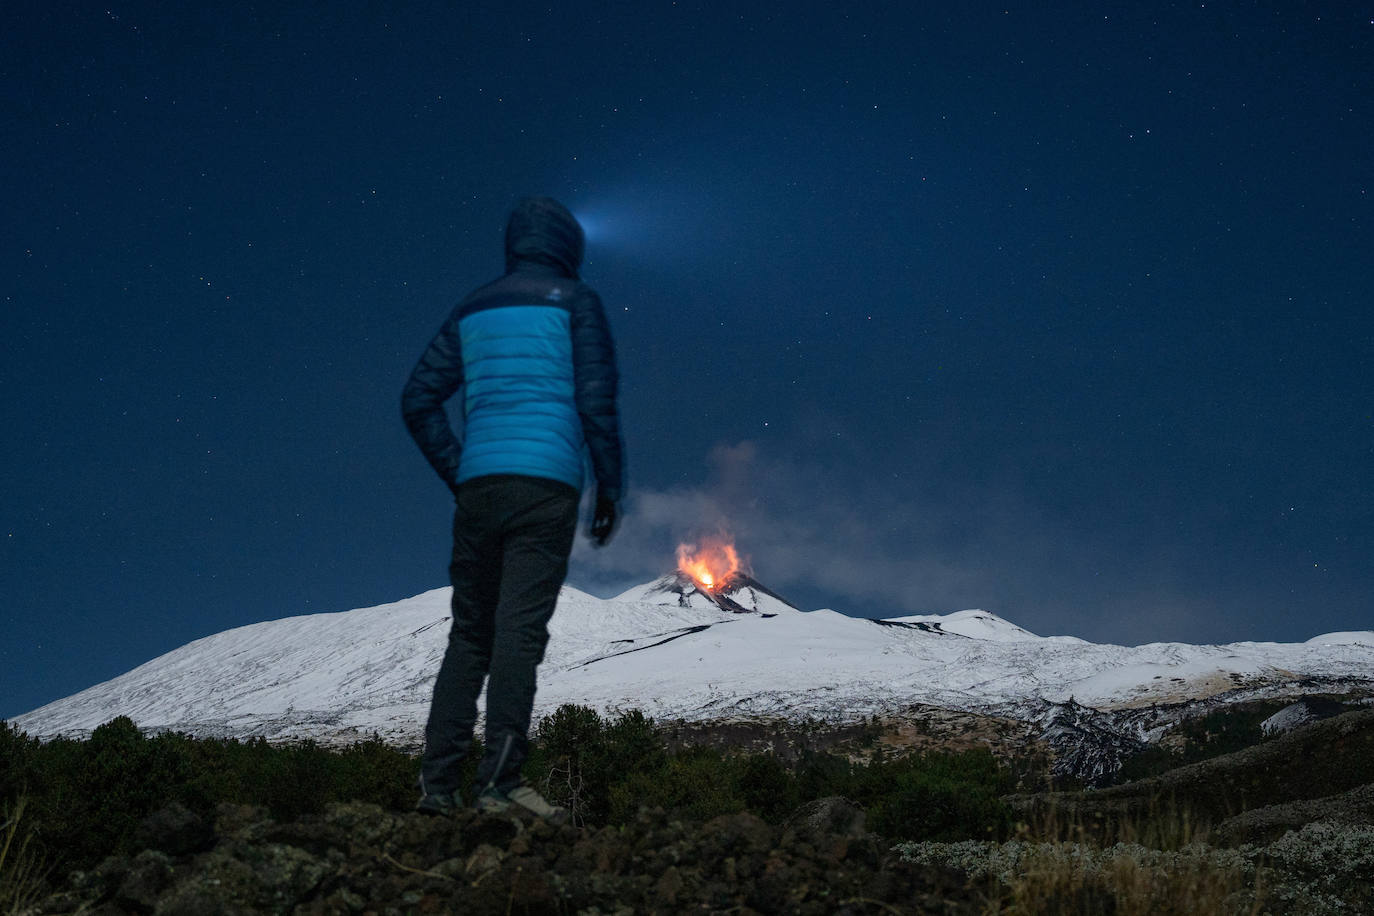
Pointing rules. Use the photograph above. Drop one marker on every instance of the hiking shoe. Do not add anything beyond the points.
(522, 798)
(444, 805)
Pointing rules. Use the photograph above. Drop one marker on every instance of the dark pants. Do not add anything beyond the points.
(511, 540)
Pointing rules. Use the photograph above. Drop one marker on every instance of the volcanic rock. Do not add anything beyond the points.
(358, 857)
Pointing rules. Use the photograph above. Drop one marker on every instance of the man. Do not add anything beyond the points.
(532, 354)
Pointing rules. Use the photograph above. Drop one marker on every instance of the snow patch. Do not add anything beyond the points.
(1347, 638)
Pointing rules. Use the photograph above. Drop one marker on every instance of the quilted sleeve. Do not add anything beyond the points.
(437, 375)
(596, 379)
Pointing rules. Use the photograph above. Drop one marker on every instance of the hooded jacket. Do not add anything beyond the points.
(533, 357)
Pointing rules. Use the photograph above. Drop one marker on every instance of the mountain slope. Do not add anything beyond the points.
(676, 651)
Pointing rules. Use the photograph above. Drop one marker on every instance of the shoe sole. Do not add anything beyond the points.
(558, 816)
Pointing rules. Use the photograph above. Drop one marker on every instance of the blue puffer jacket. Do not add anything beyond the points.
(532, 353)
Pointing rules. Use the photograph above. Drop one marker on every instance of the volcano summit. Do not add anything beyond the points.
(739, 593)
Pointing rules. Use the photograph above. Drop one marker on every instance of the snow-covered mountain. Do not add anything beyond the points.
(677, 651)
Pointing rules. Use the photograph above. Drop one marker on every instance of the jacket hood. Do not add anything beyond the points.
(543, 231)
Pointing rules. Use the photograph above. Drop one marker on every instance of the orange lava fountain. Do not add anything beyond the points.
(710, 562)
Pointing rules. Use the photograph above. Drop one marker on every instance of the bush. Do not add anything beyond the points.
(934, 806)
(374, 771)
(16, 762)
(86, 799)
(605, 772)
(633, 743)
(119, 778)
(696, 783)
(766, 788)
(581, 756)
(571, 731)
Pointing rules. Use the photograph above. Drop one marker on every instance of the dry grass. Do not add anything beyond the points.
(21, 873)
(1066, 878)
(1158, 865)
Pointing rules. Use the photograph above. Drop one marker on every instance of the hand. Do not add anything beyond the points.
(604, 521)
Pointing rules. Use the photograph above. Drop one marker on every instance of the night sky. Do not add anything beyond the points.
(1061, 310)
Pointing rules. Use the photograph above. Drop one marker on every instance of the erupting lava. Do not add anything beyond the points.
(710, 562)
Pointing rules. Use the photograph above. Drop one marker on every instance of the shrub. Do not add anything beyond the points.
(569, 752)
(821, 775)
(582, 756)
(116, 778)
(634, 743)
(16, 761)
(371, 771)
(695, 784)
(766, 788)
(938, 797)
(605, 771)
(87, 798)
(571, 731)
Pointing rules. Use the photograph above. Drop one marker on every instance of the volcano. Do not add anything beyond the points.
(678, 650)
(740, 593)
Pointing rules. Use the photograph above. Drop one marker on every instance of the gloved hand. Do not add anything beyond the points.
(604, 520)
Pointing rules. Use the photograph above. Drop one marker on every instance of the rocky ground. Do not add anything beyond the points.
(361, 859)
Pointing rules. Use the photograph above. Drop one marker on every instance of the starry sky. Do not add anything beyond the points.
(1061, 310)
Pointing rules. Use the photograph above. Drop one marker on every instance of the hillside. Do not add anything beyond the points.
(739, 654)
